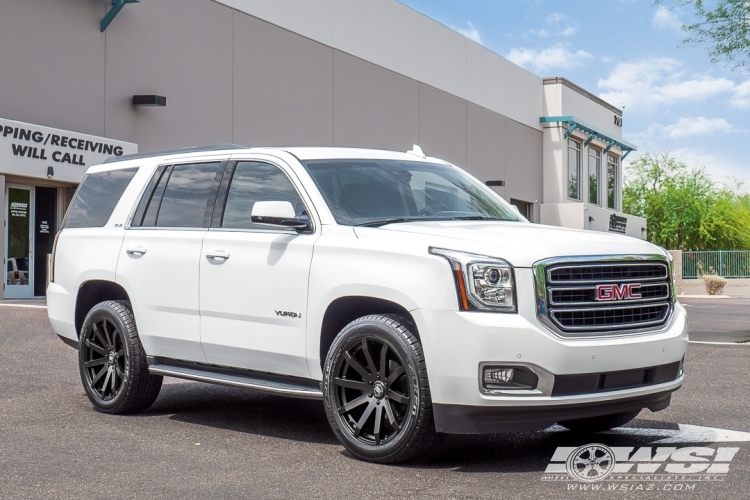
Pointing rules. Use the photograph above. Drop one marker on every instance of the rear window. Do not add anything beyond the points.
(97, 197)
(179, 196)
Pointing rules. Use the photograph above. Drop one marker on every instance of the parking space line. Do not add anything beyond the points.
(23, 305)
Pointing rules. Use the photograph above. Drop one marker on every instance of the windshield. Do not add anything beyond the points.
(369, 192)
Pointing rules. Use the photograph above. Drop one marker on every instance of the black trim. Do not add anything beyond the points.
(211, 201)
(72, 343)
(591, 383)
(232, 376)
(221, 196)
(462, 419)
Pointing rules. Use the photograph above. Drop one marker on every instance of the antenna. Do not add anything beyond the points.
(416, 151)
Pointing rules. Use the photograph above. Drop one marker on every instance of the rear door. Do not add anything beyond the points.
(253, 277)
(159, 260)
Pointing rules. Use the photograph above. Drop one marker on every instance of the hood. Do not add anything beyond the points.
(520, 243)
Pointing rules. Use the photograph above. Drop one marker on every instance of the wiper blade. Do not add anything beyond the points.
(476, 217)
(395, 220)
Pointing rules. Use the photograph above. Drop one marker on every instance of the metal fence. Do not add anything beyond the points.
(726, 263)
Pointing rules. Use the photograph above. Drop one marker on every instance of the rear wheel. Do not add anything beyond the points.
(376, 392)
(112, 362)
(601, 423)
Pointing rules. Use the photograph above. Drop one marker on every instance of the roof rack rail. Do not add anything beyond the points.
(165, 152)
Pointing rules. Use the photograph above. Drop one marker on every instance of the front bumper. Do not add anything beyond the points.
(459, 419)
(456, 343)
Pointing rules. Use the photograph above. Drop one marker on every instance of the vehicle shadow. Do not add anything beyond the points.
(239, 410)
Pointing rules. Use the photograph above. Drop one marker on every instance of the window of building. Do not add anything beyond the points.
(97, 197)
(574, 169)
(256, 181)
(595, 168)
(612, 167)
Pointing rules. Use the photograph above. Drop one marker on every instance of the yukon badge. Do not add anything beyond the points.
(287, 314)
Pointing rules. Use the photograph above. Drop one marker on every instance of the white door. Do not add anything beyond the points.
(159, 259)
(19, 248)
(253, 279)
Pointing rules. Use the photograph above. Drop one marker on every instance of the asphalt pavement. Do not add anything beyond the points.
(204, 441)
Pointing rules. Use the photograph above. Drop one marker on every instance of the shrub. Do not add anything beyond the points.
(714, 284)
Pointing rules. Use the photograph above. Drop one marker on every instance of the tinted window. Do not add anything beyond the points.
(150, 200)
(186, 195)
(254, 181)
(367, 191)
(97, 197)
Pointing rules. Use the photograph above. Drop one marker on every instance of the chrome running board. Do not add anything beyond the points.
(281, 385)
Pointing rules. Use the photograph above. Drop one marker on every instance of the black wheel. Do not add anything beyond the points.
(112, 361)
(376, 392)
(602, 423)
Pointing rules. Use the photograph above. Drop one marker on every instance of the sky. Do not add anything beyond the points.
(629, 53)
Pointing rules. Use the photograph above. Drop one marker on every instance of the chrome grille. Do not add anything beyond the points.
(569, 301)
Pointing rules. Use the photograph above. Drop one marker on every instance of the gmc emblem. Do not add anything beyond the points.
(618, 292)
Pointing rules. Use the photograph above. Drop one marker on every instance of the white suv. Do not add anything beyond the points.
(404, 293)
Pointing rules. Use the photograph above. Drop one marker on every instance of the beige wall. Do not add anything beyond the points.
(231, 77)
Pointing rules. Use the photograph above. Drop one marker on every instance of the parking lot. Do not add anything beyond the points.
(201, 441)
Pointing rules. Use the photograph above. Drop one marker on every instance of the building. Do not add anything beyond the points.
(293, 72)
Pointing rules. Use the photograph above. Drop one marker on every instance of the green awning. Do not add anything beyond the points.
(574, 123)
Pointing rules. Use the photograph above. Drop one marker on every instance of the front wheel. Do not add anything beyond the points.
(376, 392)
(112, 361)
(601, 423)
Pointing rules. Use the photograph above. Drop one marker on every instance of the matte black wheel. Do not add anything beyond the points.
(376, 391)
(112, 362)
(602, 423)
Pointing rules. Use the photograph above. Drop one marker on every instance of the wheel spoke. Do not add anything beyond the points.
(394, 375)
(114, 379)
(357, 366)
(383, 362)
(96, 348)
(378, 418)
(370, 362)
(120, 353)
(397, 397)
(363, 419)
(353, 404)
(99, 335)
(391, 418)
(352, 384)
(95, 362)
(98, 376)
(120, 373)
(106, 381)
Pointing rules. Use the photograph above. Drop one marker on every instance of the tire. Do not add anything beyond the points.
(376, 391)
(601, 423)
(112, 362)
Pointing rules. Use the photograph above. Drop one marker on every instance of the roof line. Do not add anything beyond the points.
(564, 81)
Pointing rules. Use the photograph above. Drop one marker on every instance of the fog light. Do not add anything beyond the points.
(498, 375)
(508, 378)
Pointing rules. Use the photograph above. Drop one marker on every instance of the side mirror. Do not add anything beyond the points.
(278, 213)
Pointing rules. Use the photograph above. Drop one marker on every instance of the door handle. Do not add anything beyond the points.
(217, 255)
(136, 250)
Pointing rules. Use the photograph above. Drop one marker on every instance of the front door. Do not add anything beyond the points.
(19, 257)
(253, 279)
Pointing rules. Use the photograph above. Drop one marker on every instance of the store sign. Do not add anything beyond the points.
(617, 223)
(28, 150)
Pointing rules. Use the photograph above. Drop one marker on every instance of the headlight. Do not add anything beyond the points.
(483, 283)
